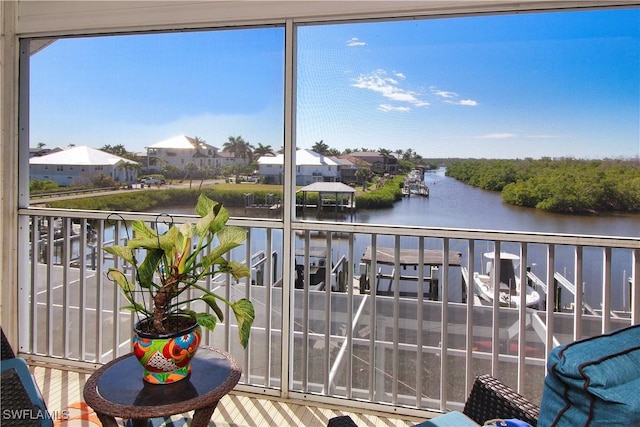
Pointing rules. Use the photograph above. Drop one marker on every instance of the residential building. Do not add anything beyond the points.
(180, 151)
(79, 165)
(225, 158)
(310, 167)
(379, 162)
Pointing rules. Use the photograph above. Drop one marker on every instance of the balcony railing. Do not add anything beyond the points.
(382, 316)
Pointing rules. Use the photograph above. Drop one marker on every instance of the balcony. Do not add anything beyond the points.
(351, 335)
(352, 339)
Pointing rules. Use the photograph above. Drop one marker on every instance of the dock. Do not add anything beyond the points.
(269, 203)
(407, 260)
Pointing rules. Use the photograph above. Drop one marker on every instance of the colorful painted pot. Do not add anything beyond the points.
(166, 358)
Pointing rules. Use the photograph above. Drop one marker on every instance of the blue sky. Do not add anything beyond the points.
(510, 86)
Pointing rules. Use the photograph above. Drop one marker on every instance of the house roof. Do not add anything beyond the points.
(355, 160)
(327, 187)
(81, 156)
(271, 160)
(180, 142)
(303, 158)
(345, 162)
(365, 154)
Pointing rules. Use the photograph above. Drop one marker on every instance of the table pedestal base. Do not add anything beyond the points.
(201, 418)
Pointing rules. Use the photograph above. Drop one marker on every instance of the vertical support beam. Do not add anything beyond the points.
(551, 298)
(374, 392)
(19, 241)
(634, 304)
(328, 388)
(495, 318)
(606, 290)
(246, 370)
(579, 296)
(350, 323)
(420, 321)
(471, 296)
(304, 359)
(289, 206)
(522, 313)
(268, 288)
(9, 51)
(444, 337)
(395, 362)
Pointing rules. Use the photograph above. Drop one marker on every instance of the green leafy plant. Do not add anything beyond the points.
(176, 261)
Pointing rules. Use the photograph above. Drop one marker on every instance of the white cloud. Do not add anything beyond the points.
(387, 107)
(355, 42)
(502, 135)
(388, 87)
(443, 93)
(544, 136)
(399, 75)
(450, 97)
(467, 102)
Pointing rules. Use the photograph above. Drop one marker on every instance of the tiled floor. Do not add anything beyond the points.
(60, 388)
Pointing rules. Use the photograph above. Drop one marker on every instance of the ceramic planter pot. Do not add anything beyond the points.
(165, 358)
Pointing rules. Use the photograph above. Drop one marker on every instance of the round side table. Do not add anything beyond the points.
(117, 389)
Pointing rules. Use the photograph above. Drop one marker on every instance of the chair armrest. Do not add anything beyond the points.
(5, 347)
(491, 399)
(341, 421)
(22, 402)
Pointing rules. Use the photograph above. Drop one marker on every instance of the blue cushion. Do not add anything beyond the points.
(450, 419)
(29, 386)
(595, 381)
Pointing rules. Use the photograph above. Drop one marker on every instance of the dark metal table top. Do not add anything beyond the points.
(117, 388)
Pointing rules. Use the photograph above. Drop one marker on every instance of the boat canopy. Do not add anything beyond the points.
(503, 255)
(410, 256)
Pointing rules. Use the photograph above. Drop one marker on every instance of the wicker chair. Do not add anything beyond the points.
(489, 399)
(5, 347)
(22, 403)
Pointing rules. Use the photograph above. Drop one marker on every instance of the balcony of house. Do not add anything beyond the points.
(367, 320)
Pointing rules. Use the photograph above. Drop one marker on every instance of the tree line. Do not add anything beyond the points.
(560, 185)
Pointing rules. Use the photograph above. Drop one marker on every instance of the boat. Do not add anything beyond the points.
(317, 263)
(414, 184)
(510, 286)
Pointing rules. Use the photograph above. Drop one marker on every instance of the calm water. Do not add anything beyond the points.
(453, 204)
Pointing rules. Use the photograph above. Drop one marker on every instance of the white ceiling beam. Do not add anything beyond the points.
(88, 17)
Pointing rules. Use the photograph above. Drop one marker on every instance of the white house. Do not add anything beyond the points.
(181, 150)
(79, 165)
(310, 167)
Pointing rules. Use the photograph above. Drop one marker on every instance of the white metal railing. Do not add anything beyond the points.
(412, 348)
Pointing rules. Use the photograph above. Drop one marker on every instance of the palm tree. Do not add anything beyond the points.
(237, 146)
(408, 154)
(386, 155)
(119, 150)
(262, 150)
(199, 142)
(320, 147)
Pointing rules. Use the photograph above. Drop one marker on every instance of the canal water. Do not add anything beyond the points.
(455, 205)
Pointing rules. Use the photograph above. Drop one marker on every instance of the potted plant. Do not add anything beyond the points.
(169, 280)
